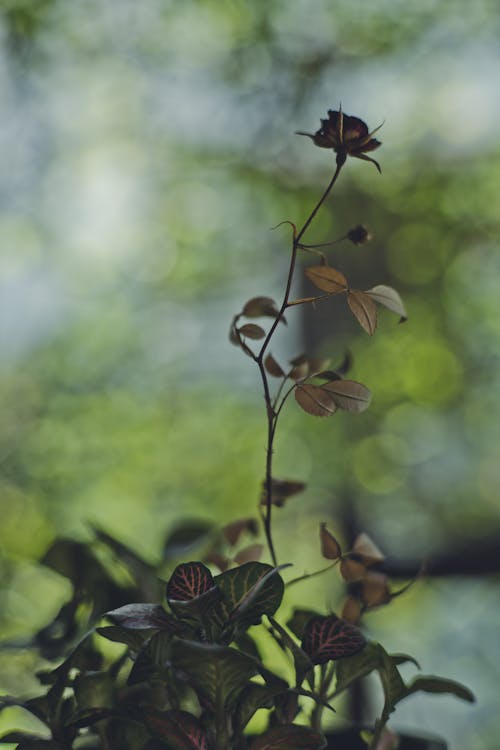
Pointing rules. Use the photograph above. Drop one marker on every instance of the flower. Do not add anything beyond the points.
(346, 135)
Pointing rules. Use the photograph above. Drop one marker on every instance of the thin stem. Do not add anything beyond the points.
(272, 415)
(312, 575)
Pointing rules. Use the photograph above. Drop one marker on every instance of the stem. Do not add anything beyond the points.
(312, 575)
(272, 415)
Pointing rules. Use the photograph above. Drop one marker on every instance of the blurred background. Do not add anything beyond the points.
(147, 149)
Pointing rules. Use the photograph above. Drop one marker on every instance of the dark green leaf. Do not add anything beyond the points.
(432, 684)
(252, 698)
(178, 730)
(301, 660)
(249, 592)
(185, 538)
(134, 639)
(152, 660)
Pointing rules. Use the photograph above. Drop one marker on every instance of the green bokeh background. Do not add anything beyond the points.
(147, 150)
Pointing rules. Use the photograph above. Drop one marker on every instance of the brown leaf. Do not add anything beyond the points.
(281, 490)
(367, 550)
(303, 301)
(316, 364)
(273, 367)
(364, 310)
(258, 307)
(327, 279)
(249, 554)
(375, 589)
(351, 611)
(315, 400)
(330, 548)
(215, 558)
(388, 297)
(232, 531)
(351, 570)
(300, 367)
(251, 331)
(349, 395)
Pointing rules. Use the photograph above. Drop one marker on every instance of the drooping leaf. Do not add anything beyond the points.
(348, 395)
(217, 673)
(367, 550)
(178, 730)
(259, 307)
(327, 279)
(134, 639)
(251, 331)
(329, 638)
(143, 616)
(289, 737)
(364, 310)
(315, 400)
(281, 490)
(389, 298)
(249, 554)
(330, 548)
(432, 684)
(233, 531)
(249, 592)
(273, 368)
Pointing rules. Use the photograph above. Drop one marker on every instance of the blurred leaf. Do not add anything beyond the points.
(281, 490)
(300, 367)
(233, 531)
(258, 307)
(349, 395)
(93, 690)
(142, 616)
(249, 554)
(330, 548)
(327, 279)
(364, 310)
(315, 400)
(272, 367)
(389, 298)
(330, 638)
(185, 538)
(351, 610)
(375, 589)
(251, 331)
(351, 570)
(289, 737)
(367, 550)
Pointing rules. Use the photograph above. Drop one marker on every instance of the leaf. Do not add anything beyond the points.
(364, 310)
(301, 660)
(327, 279)
(217, 673)
(186, 537)
(375, 590)
(142, 616)
(248, 554)
(351, 570)
(152, 660)
(351, 610)
(134, 639)
(232, 531)
(330, 548)
(258, 307)
(178, 730)
(249, 592)
(251, 331)
(289, 737)
(349, 395)
(315, 400)
(432, 684)
(356, 666)
(189, 581)
(366, 548)
(389, 298)
(253, 697)
(281, 490)
(330, 638)
(299, 619)
(300, 367)
(272, 367)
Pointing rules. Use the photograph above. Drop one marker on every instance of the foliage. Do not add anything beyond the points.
(187, 673)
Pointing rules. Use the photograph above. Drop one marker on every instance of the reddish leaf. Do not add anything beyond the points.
(348, 395)
(330, 548)
(188, 581)
(389, 298)
(273, 367)
(327, 279)
(249, 554)
(235, 529)
(182, 730)
(252, 331)
(364, 310)
(315, 400)
(281, 490)
(330, 638)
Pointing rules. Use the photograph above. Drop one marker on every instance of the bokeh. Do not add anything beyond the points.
(147, 150)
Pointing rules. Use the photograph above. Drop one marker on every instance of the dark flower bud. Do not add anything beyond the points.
(359, 235)
(346, 135)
